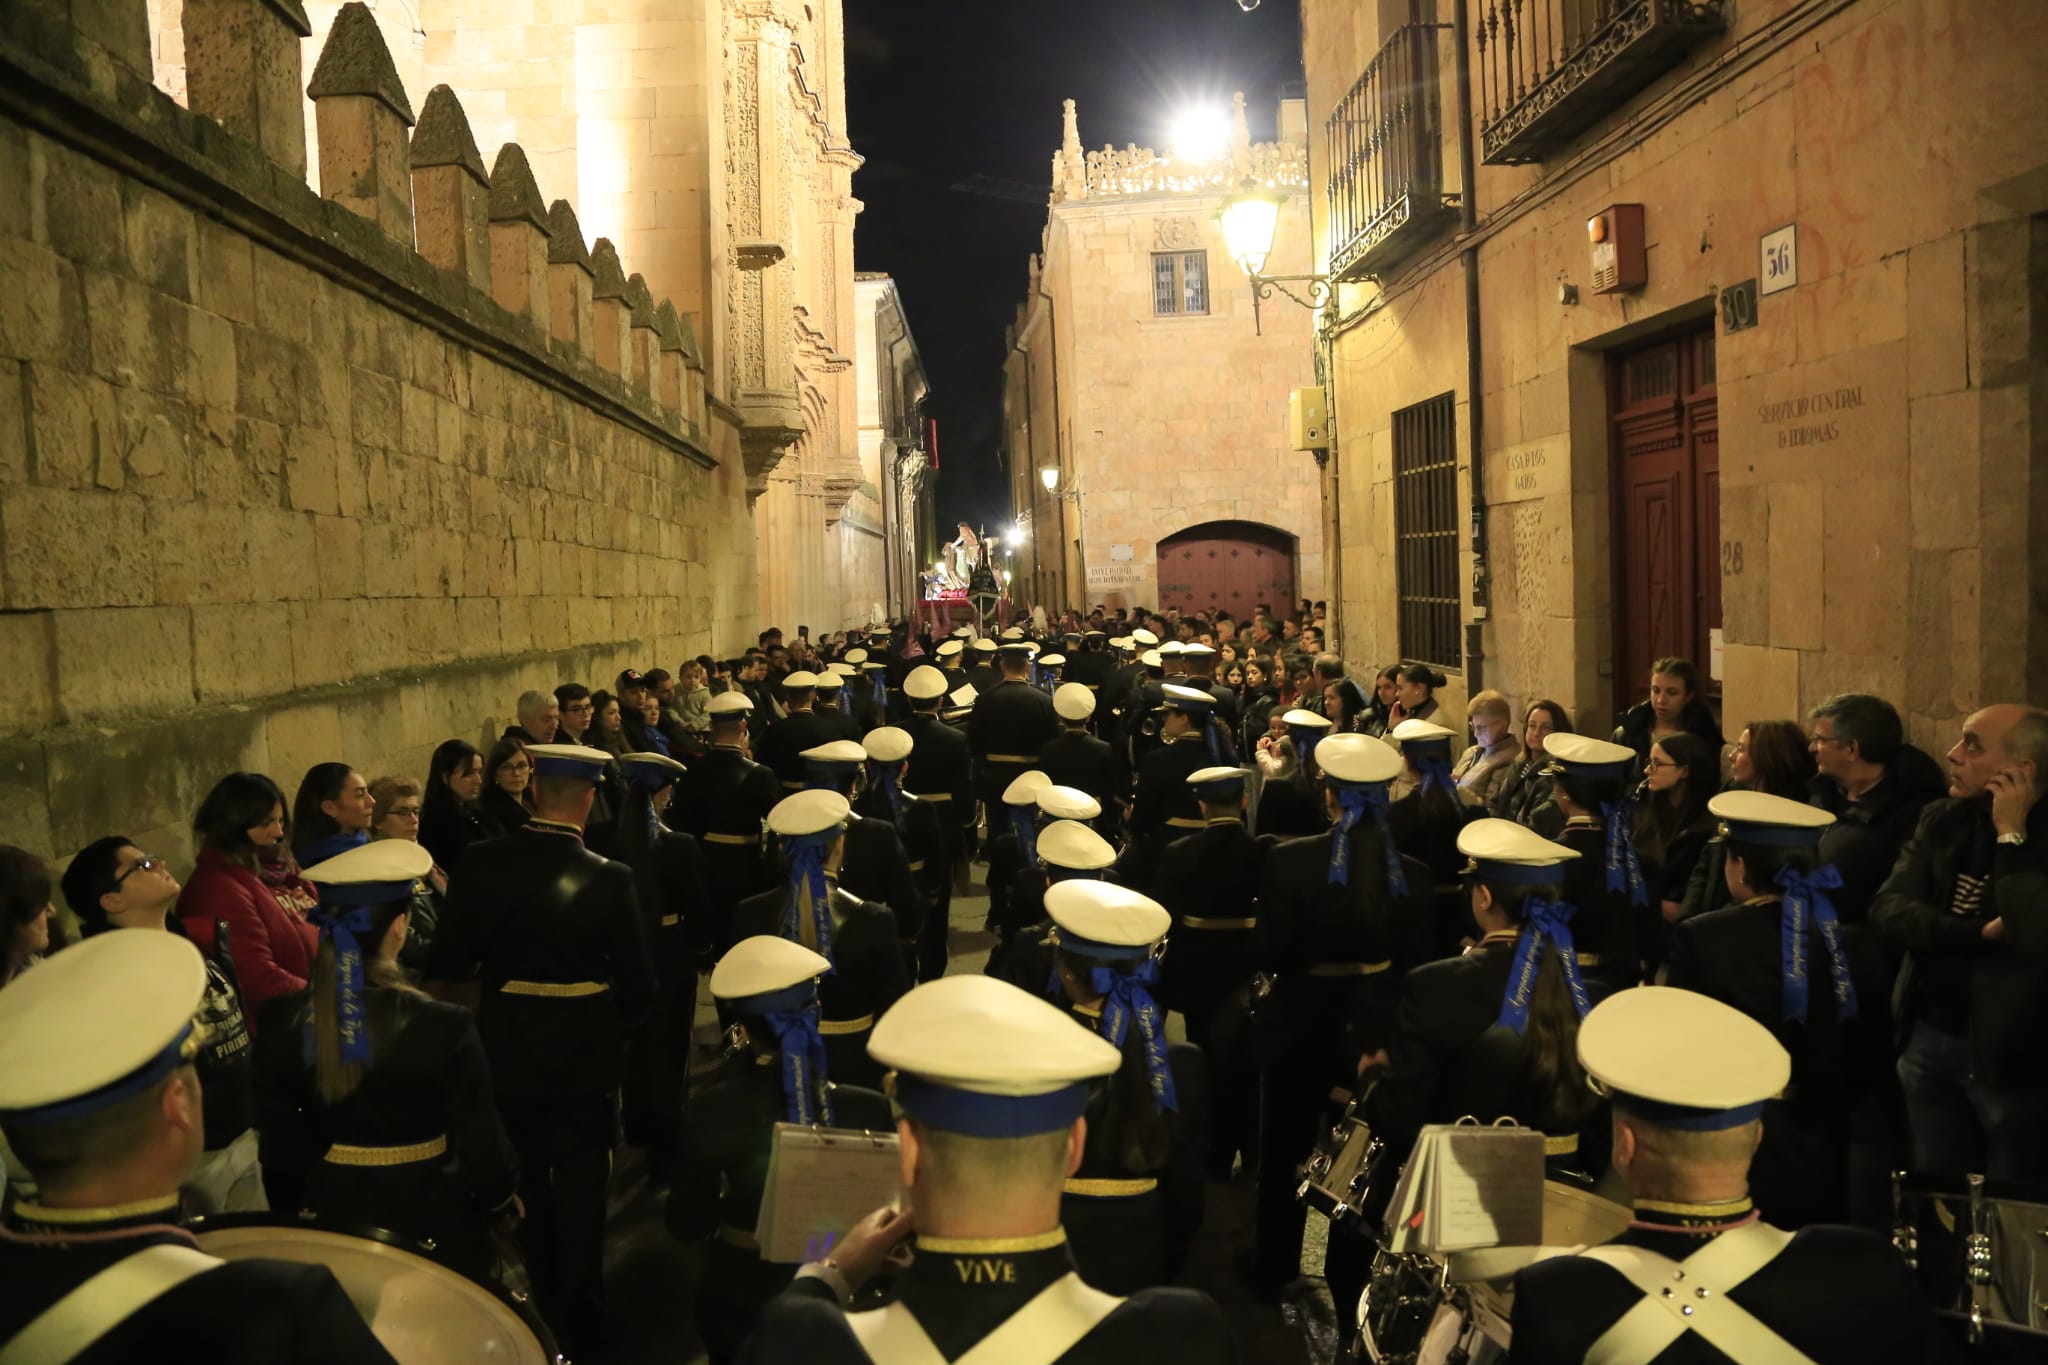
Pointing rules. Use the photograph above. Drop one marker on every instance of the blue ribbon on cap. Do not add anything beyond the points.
(1355, 801)
(845, 699)
(1126, 997)
(1305, 737)
(1024, 824)
(1543, 920)
(792, 1016)
(1209, 733)
(1432, 760)
(807, 882)
(1806, 903)
(1624, 870)
(891, 789)
(351, 1011)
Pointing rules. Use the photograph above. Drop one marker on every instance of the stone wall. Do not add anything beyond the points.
(1897, 554)
(286, 479)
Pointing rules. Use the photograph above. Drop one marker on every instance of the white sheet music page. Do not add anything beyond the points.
(821, 1181)
(1487, 1189)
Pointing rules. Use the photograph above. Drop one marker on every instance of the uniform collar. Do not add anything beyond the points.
(1583, 822)
(1663, 1215)
(39, 1218)
(540, 826)
(1003, 1267)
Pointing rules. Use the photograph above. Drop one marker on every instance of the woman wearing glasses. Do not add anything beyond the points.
(399, 807)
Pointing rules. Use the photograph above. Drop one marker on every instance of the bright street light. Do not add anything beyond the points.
(1016, 536)
(1049, 475)
(1248, 223)
(1200, 133)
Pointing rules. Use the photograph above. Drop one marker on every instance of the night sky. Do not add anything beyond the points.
(956, 103)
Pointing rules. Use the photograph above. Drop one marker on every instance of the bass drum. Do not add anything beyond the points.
(423, 1312)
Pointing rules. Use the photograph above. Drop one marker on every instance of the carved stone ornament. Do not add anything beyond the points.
(1176, 234)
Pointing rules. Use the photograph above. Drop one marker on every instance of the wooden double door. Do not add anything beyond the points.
(1667, 509)
(1227, 566)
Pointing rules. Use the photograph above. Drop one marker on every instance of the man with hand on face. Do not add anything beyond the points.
(1968, 905)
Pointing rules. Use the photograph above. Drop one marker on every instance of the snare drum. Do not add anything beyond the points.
(1980, 1251)
(1340, 1179)
(423, 1312)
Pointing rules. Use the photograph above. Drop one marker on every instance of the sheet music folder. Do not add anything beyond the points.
(821, 1181)
(1468, 1186)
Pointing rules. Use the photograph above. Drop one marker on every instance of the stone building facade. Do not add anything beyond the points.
(888, 533)
(707, 140)
(1134, 369)
(288, 478)
(1750, 299)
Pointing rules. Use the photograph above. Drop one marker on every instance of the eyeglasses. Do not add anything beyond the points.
(148, 862)
(1659, 764)
(403, 813)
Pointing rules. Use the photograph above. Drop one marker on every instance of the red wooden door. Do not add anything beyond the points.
(1227, 566)
(1667, 509)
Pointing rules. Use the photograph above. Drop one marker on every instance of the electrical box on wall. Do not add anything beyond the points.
(1308, 419)
(1619, 259)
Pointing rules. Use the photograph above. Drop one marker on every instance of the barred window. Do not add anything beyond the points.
(1426, 531)
(1180, 282)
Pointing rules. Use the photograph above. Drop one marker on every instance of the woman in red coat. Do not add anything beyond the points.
(246, 883)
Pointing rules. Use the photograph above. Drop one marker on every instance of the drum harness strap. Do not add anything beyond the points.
(1039, 1333)
(68, 1328)
(1692, 1296)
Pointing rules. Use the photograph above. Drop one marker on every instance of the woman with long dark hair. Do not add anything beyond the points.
(1343, 706)
(1386, 693)
(1414, 694)
(508, 774)
(374, 1100)
(331, 814)
(451, 819)
(28, 921)
(1494, 1031)
(1772, 757)
(1426, 821)
(1523, 794)
(1671, 829)
(1256, 706)
(246, 883)
(1132, 1208)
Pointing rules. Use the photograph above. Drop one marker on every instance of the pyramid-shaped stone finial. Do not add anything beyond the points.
(515, 195)
(569, 277)
(519, 238)
(356, 62)
(442, 137)
(671, 387)
(643, 368)
(450, 196)
(611, 315)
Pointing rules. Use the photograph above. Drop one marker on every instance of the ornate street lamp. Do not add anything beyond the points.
(1249, 219)
(1049, 475)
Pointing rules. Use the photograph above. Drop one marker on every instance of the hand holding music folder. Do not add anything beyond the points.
(822, 1181)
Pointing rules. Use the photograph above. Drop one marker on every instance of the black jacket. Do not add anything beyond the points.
(876, 868)
(789, 737)
(868, 972)
(448, 826)
(537, 906)
(2008, 981)
(1523, 796)
(1639, 722)
(1078, 759)
(1012, 721)
(1208, 877)
(1865, 840)
(940, 770)
(722, 802)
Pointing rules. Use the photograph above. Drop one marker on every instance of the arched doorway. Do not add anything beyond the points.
(1227, 566)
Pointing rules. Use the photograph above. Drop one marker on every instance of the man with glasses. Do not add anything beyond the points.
(112, 884)
(1874, 784)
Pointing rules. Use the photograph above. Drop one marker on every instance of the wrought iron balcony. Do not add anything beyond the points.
(1386, 140)
(1550, 69)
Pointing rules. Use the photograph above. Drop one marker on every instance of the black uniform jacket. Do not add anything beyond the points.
(941, 770)
(241, 1313)
(1162, 791)
(1839, 1296)
(868, 973)
(430, 1080)
(960, 1291)
(1012, 721)
(537, 907)
(876, 867)
(1735, 955)
(1603, 923)
(1125, 1242)
(1079, 760)
(721, 802)
(796, 732)
(1206, 880)
(1449, 1058)
(1306, 922)
(925, 838)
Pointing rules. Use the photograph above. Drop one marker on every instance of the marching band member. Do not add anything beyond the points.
(919, 825)
(374, 1100)
(1697, 1276)
(857, 936)
(723, 803)
(774, 1071)
(993, 1087)
(1133, 1208)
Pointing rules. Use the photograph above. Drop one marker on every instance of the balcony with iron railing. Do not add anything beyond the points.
(1386, 147)
(1550, 69)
